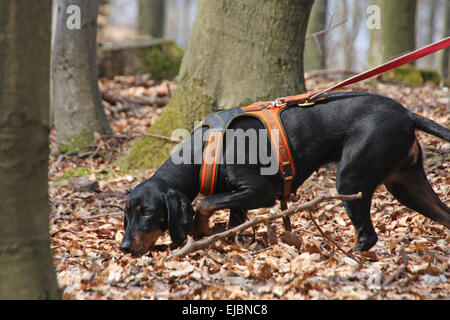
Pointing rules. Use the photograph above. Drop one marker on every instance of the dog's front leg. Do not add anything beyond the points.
(254, 192)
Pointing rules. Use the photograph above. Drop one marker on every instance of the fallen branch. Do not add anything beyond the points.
(394, 276)
(192, 246)
(111, 214)
(326, 72)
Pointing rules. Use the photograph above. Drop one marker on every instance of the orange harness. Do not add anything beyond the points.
(268, 113)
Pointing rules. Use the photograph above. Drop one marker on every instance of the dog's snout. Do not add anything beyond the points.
(125, 245)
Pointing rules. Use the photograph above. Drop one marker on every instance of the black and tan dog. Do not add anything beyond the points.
(371, 136)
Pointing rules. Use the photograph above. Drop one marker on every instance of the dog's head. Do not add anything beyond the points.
(153, 208)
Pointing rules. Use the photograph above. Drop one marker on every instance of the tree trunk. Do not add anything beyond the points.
(445, 55)
(425, 34)
(398, 22)
(397, 33)
(26, 268)
(376, 48)
(77, 105)
(151, 17)
(315, 57)
(255, 53)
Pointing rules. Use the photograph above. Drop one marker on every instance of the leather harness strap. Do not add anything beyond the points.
(269, 113)
(210, 161)
(280, 143)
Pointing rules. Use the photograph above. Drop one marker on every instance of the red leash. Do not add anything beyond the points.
(409, 57)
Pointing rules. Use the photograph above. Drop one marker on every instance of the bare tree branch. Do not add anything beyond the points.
(315, 73)
(318, 33)
(192, 246)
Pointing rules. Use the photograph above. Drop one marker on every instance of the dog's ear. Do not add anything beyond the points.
(180, 215)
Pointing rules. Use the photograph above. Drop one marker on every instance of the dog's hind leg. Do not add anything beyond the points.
(367, 159)
(410, 187)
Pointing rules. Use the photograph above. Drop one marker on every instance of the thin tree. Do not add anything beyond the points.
(76, 101)
(26, 268)
(151, 18)
(314, 50)
(239, 52)
(397, 33)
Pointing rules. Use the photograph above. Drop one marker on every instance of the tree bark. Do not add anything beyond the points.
(398, 22)
(77, 105)
(239, 52)
(26, 268)
(151, 17)
(397, 33)
(314, 57)
(376, 48)
(425, 36)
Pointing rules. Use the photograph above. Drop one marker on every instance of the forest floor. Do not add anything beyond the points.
(410, 259)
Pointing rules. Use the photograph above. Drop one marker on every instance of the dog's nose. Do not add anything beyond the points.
(125, 246)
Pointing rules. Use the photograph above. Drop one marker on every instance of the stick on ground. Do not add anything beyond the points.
(192, 246)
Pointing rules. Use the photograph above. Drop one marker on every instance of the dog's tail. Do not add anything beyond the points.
(429, 126)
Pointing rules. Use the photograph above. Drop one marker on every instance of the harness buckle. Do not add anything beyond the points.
(306, 103)
(268, 105)
(288, 174)
(280, 102)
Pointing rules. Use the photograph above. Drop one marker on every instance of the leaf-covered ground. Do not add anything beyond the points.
(86, 226)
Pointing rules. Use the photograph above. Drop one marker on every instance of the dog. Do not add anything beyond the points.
(372, 137)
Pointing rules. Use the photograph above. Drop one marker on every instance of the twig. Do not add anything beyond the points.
(161, 137)
(319, 48)
(111, 214)
(331, 240)
(192, 246)
(393, 277)
(318, 33)
(314, 73)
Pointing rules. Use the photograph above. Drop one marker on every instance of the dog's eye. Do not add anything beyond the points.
(147, 213)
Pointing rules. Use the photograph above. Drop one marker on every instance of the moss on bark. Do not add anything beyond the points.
(160, 58)
(77, 142)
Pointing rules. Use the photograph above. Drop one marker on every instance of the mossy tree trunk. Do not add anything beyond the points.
(315, 57)
(76, 102)
(151, 18)
(26, 268)
(397, 33)
(239, 52)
